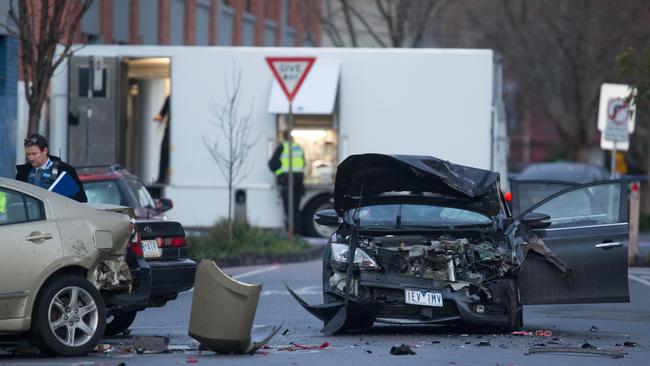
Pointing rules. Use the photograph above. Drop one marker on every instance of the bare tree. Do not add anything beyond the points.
(388, 23)
(231, 150)
(42, 25)
(563, 51)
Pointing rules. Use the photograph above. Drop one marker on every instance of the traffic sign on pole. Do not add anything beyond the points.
(615, 116)
(290, 72)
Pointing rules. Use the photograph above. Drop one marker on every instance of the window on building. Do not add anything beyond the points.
(121, 21)
(177, 26)
(148, 21)
(202, 22)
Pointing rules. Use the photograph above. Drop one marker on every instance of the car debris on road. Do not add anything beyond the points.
(223, 310)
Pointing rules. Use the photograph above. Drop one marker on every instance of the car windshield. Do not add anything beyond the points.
(105, 191)
(141, 193)
(393, 216)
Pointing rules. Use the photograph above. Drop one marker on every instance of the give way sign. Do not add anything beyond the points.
(290, 72)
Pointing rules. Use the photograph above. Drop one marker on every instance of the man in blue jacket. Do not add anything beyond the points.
(43, 169)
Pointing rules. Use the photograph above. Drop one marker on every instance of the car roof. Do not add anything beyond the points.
(102, 172)
(564, 171)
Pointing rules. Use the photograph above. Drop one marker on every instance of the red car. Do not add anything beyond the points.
(160, 244)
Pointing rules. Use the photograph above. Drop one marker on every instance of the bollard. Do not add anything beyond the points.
(633, 247)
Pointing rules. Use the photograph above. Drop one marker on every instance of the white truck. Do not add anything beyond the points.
(441, 102)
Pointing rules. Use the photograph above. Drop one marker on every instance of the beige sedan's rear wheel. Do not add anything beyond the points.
(69, 317)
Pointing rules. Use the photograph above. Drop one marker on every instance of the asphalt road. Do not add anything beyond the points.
(607, 326)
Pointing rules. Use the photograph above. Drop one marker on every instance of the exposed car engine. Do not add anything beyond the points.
(443, 258)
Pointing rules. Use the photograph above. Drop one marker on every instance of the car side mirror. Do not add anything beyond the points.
(536, 220)
(327, 217)
(164, 204)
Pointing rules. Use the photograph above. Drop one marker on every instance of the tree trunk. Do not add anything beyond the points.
(230, 218)
(34, 118)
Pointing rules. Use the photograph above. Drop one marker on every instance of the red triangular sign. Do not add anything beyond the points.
(290, 72)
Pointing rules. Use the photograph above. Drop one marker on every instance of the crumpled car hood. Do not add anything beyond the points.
(367, 175)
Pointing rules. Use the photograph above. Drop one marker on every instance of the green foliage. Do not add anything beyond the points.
(634, 66)
(246, 240)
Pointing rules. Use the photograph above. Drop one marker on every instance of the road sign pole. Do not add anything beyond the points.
(291, 182)
(612, 167)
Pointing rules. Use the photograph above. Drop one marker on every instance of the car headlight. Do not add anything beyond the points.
(361, 258)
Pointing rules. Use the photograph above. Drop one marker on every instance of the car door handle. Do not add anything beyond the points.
(609, 245)
(38, 236)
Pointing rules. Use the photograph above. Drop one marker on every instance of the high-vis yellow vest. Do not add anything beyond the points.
(297, 157)
(3, 203)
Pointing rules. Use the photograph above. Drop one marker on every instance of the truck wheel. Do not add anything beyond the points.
(120, 322)
(310, 227)
(69, 317)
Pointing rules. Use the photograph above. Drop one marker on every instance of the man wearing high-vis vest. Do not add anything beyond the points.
(279, 165)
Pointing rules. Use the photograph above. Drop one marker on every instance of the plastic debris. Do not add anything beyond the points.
(483, 344)
(543, 333)
(521, 333)
(630, 344)
(587, 345)
(150, 344)
(402, 349)
(103, 348)
(300, 346)
(191, 359)
(593, 329)
(286, 331)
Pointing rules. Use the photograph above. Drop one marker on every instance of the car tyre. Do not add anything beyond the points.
(69, 317)
(508, 291)
(310, 227)
(120, 322)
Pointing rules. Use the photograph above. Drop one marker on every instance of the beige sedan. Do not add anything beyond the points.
(60, 261)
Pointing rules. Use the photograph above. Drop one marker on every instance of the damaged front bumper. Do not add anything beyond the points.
(387, 304)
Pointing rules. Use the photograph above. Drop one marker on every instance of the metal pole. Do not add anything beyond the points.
(89, 111)
(612, 167)
(290, 193)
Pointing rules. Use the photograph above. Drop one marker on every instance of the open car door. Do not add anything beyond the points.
(589, 232)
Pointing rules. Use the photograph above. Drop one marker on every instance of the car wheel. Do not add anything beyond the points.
(120, 322)
(69, 317)
(310, 227)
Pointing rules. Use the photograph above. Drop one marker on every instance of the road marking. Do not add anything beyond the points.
(311, 290)
(257, 271)
(640, 280)
(640, 275)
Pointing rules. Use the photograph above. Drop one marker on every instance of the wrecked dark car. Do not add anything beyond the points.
(435, 243)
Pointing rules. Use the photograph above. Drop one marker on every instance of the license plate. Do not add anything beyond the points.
(423, 297)
(150, 249)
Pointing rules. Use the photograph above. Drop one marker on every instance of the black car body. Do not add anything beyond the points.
(435, 242)
(158, 254)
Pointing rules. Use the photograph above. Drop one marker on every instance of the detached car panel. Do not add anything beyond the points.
(434, 242)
